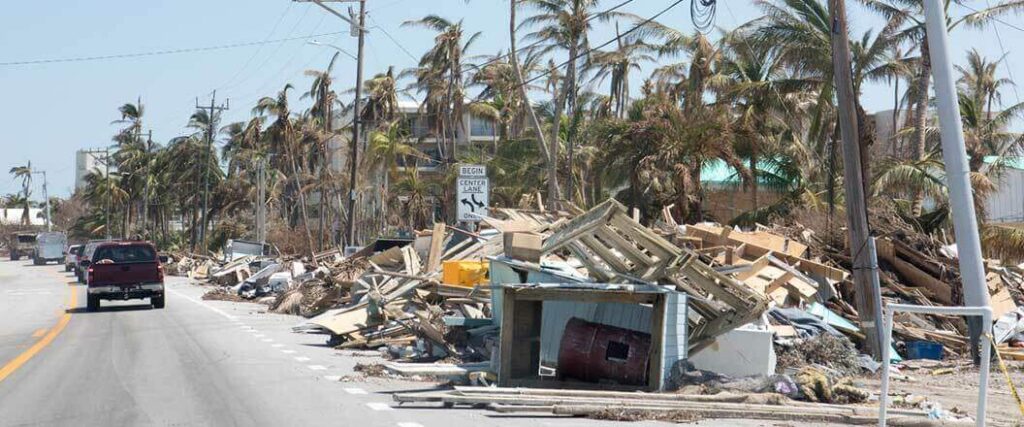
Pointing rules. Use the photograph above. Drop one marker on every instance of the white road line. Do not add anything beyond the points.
(334, 378)
(267, 340)
(354, 390)
(288, 351)
(203, 304)
(302, 359)
(317, 367)
(279, 345)
(410, 425)
(257, 335)
(380, 406)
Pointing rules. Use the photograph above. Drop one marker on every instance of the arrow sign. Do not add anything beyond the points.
(473, 198)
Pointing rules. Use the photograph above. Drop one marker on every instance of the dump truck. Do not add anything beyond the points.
(22, 245)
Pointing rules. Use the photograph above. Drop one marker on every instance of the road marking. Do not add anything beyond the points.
(27, 355)
(334, 378)
(354, 390)
(302, 359)
(203, 304)
(288, 351)
(278, 345)
(379, 406)
(410, 425)
(257, 335)
(267, 340)
(39, 333)
(317, 367)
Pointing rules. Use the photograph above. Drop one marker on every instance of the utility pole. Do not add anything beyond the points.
(958, 172)
(110, 189)
(145, 195)
(865, 274)
(261, 201)
(46, 197)
(359, 30)
(356, 123)
(213, 110)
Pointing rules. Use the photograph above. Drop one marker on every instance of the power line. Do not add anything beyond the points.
(273, 29)
(162, 52)
(638, 26)
(540, 42)
(386, 33)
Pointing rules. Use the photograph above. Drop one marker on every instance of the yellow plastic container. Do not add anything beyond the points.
(464, 273)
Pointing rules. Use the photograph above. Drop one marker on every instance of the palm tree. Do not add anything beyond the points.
(322, 111)
(25, 174)
(284, 141)
(617, 66)
(439, 77)
(979, 81)
(908, 16)
(565, 25)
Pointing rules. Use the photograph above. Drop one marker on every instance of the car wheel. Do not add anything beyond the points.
(158, 302)
(14, 256)
(93, 303)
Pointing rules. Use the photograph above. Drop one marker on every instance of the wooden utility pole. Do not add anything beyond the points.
(261, 201)
(868, 295)
(210, 130)
(356, 124)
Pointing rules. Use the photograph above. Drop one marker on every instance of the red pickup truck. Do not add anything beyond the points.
(123, 271)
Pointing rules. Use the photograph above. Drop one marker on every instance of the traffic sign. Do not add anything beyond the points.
(476, 171)
(473, 195)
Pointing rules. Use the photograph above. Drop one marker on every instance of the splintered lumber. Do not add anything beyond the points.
(939, 291)
(742, 412)
(752, 248)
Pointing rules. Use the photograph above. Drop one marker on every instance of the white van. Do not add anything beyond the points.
(51, 246)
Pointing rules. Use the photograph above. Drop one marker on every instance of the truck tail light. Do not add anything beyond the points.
(89, 276)
(160, 271)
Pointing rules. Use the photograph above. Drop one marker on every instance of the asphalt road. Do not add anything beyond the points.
(194, 363)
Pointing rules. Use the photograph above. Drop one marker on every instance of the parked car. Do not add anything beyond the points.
(22, 245)
(124, 270)
(50, 247)
(83, 259)
(71, 259)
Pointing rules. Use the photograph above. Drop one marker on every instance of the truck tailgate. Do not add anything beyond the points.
(125, 274)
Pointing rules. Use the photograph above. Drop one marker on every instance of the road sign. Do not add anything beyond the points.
(473, 195)
(475, 171)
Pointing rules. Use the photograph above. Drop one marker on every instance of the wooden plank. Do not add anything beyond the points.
(436, 247)
(605, 254)
(627, 248)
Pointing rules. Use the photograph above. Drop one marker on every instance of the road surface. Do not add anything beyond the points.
(194, 363)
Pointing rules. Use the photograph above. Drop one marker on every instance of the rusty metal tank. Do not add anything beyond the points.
(595, 352)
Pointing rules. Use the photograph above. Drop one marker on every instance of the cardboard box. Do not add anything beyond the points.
(523, 246)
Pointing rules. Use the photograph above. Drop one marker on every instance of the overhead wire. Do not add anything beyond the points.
(160, 52)
(252, 57)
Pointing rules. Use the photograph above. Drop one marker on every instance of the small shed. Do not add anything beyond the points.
(616, 336)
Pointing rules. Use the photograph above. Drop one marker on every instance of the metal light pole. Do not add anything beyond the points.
(954, 155)
(360, 29)
(46, 197)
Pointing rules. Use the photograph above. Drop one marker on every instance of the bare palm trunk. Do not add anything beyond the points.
(921, 118)
(547, 153)
(753, 170)
(570, 89)
(302, 208)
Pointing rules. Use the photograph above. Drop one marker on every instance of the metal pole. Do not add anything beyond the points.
(206, 170)
(106, 177)
(954, 154)
(46, 195)
(868, 295)
(355, 127)
(261, 202)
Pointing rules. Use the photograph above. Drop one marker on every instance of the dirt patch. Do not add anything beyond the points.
(372, 370)
(643, 415)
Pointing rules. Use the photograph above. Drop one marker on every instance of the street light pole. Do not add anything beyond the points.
(360, 28)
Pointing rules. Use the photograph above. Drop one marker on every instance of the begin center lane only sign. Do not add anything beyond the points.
(473, 193)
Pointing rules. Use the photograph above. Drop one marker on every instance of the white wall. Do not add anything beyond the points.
(1007, 203)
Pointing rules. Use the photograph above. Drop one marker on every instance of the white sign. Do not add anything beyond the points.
(473, 193)
(475, 171)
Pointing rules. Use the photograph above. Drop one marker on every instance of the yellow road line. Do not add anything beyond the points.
(27, 355)
(39, 333)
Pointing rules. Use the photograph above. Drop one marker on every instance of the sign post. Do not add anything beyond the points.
(473, 193)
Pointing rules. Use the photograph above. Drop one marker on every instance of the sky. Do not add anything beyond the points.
(50, 110)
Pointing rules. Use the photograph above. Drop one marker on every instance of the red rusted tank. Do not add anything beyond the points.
(595, 352)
